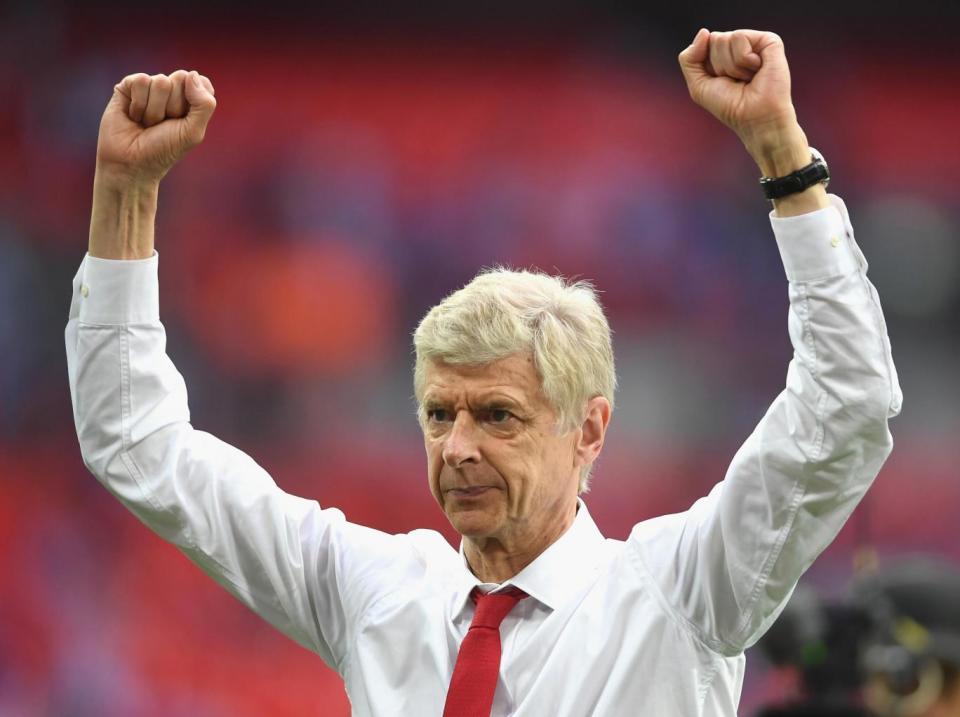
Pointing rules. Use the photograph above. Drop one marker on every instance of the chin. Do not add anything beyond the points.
(472, 523)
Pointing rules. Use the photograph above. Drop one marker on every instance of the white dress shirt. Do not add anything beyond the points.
(654, 625)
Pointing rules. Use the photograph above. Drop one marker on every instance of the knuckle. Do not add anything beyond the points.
(177, 87)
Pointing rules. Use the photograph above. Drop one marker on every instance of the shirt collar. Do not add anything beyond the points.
(558, 573)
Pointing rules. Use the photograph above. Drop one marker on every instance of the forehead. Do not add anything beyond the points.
(514, 376)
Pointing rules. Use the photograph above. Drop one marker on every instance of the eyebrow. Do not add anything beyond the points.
(495, 400)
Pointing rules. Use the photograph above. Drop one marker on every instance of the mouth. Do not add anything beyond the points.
(467, 493)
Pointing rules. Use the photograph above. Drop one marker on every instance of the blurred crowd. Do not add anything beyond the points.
(346, 186)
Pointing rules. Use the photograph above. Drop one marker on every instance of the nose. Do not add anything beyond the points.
(461, 445)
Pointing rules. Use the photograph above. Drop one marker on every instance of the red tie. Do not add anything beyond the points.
(478, 663)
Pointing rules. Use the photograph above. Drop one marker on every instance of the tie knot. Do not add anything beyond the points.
(493, 607)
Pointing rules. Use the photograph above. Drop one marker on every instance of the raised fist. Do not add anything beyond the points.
(741, 78)
(150, 123)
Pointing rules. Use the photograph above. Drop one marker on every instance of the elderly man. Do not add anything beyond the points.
(538, 613)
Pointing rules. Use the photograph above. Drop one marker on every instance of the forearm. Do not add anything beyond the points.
(122, 219)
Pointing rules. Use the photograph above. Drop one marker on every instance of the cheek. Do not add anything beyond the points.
(515, 460)
(434, 450)
(556, 463)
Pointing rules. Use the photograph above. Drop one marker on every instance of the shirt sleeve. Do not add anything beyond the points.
(728, 565)
(307, 571)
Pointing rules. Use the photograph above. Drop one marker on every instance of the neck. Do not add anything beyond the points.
(497, 559)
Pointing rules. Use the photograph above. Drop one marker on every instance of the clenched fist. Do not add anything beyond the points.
(741, 78)
(150, 123)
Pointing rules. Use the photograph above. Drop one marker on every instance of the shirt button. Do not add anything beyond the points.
(834, 242)
(84, 291)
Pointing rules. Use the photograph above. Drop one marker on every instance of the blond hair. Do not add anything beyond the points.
(502, 312)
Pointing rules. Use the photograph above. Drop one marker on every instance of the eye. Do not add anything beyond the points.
(499, 415)
(437, 415)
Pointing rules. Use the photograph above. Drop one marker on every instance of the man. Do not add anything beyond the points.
(538, 614)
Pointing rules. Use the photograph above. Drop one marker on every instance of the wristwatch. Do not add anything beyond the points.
(816, 172)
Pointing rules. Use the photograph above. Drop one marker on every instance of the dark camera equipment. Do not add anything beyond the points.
(890, 649)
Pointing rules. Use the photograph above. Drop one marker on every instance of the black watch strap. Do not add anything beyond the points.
(814, 173)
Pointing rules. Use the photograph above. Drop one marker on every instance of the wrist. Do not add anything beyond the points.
(118, 182)
(809, 200)
(785, 159)
(122, 218)
(782, 150)
(778, 150)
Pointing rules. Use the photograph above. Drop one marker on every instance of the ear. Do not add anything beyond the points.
(592, 431)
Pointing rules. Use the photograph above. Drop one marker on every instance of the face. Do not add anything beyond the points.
(497, 465)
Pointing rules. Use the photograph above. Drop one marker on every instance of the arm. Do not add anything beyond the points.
(305, 570)
(728, 565)
(207, 498)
